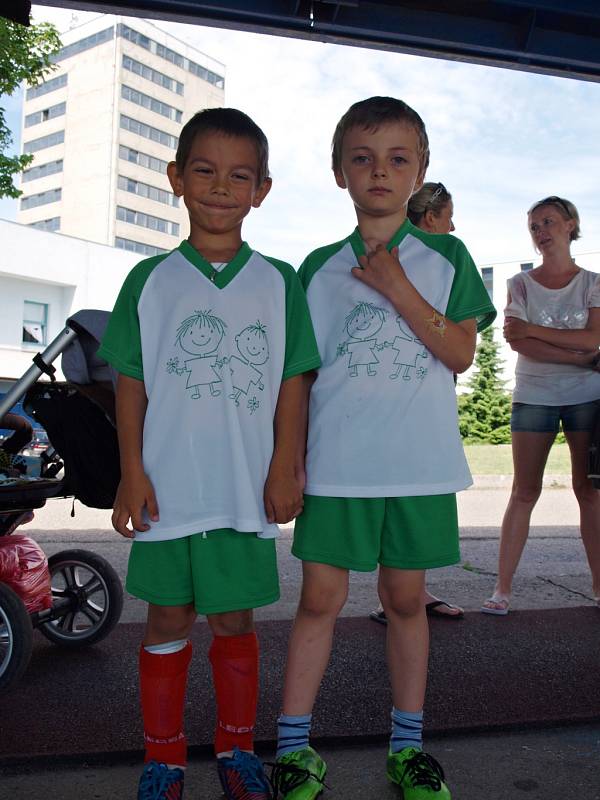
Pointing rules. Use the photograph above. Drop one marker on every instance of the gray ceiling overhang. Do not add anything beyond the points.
(558, 37)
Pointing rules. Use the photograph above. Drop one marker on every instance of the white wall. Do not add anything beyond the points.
(66, 273)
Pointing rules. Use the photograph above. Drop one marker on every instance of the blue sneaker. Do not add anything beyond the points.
(242, 777)
(158, 782)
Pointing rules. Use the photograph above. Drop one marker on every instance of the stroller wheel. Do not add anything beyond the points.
(88, 590)
(16, 636)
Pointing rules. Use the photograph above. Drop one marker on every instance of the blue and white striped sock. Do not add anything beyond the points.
(292, 733)
(407, 730)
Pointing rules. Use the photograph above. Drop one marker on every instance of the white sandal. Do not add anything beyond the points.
(502, 601)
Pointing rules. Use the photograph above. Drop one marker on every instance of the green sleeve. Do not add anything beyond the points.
(315, 260)
(301, 352)
(469, 298)
(121, 344)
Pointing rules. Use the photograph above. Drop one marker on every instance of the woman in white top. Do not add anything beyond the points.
(552, 321)
(430, 209)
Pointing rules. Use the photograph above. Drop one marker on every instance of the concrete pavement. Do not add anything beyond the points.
(529, 677)
(551, 764)
(553, 572)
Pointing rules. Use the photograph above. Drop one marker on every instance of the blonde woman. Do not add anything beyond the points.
(552, 321)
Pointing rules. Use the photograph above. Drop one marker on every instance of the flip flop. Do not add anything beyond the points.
(378, 616)
(432, 610)
(498, 600)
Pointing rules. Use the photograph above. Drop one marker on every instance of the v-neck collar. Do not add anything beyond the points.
(220, 278)
(358, 246)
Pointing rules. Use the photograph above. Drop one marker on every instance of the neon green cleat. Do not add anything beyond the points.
(419, 775)
(298, 775)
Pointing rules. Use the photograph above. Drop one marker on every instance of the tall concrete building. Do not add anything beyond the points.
(103, 127)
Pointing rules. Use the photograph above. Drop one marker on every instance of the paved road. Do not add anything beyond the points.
(557, 763)
(553, 572)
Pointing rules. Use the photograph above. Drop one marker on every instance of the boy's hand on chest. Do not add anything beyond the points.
(381, 270)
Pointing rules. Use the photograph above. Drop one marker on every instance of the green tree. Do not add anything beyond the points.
(25, 54)
(484, 413)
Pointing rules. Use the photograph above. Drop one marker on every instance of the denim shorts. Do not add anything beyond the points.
(545, 419)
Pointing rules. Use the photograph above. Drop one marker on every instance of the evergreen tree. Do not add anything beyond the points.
(484, 413)
(25, 54)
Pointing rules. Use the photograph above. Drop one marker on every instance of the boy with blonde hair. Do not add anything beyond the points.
(384, 456)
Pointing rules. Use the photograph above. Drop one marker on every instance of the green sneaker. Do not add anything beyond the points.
(419, 775)
(298, 775)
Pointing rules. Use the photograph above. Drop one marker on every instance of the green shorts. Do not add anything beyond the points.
(360, 533)
(219, 571)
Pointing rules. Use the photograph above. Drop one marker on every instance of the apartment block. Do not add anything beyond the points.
(103, 127)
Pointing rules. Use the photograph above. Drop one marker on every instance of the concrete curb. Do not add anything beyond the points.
(505, 481)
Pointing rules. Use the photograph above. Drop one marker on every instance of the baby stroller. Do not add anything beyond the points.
(82, 462)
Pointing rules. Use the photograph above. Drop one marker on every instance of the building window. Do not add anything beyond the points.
(144, 100)
(35, 323)
(46, 87)
(142, 159)
(487, 273)
(45, 114)
(84, 44)
(147, 221)
(50, 140)
(138, 247)
(41, 199)
(206, 74)
(145, 190)
(527, 266)
(42, 171)
(147, 131)
(170, 55)
(152, 75)
(136, 37)
(52, 224)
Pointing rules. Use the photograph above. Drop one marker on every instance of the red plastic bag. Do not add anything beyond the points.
(24, 567)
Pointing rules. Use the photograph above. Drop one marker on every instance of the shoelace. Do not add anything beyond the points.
(157, 783)
(424, 770)
(286, 777)
(250, 772)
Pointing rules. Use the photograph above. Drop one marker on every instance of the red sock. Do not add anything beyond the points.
(234, 662)
(163, 680)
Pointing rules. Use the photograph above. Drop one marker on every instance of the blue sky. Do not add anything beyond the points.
(500, 139)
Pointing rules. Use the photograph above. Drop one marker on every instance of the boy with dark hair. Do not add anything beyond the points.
(208, 463)
(384, 456)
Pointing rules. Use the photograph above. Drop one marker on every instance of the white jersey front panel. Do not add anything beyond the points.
(213, 360)
(383, 414)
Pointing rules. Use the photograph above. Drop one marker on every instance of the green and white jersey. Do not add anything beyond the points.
(383, 417)
(212, 348)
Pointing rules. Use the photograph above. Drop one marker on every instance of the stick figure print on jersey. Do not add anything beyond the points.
(362, 323)
(409, 352)
(200, 335)
(253, 347)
